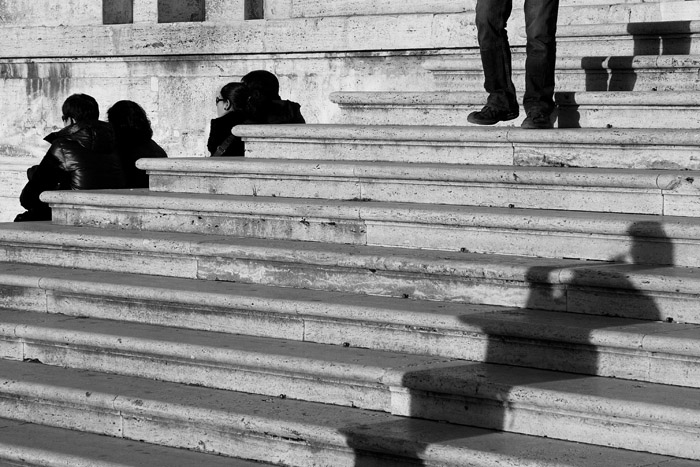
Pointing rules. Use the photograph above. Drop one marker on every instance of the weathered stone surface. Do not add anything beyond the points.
(575, 109)
(581, 73)
(609, 190)
(647, 292)
(51, 13)
(38, 444)
(523, 399)
(629, 349)
(509, 231)
(642, 149)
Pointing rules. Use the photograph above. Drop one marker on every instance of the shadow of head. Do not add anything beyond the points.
(650, 244)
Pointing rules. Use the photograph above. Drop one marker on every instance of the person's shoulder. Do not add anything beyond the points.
(155, 150)
(286, 111)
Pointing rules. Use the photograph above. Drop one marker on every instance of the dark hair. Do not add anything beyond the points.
(80, 107)
(130, 122)
(264, 88)
(263, 82)
(237, 94)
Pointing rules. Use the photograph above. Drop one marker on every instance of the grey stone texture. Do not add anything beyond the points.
(383, 286)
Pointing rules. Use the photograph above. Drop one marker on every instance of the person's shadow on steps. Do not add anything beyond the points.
(568, 307)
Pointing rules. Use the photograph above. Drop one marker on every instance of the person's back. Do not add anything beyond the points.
(133, 135)
(81, 157)
(265, 105)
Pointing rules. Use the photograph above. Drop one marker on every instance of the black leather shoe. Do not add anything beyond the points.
(537, 120)
(490, 116)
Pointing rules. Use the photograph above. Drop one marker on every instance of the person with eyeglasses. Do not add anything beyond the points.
(82, 156)
(231, 102)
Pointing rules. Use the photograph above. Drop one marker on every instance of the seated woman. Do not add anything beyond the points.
(265, 104)
(133, 140)
(231, 111)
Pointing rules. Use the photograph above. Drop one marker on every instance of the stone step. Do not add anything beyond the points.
(632, 148)
(608, 190)
(592, 11)
(606, 35)
(597, 236)
(642, 73)
(299, 433)
(28, 444)
(624, 109)
(615, 289)
(596, 345)
(678, 37)
(537, 402)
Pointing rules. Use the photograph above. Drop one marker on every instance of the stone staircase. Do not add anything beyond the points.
(396, 290)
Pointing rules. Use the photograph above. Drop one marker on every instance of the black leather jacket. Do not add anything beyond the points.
(81, 157)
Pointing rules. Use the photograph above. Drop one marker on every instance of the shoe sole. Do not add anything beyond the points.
(472, 119)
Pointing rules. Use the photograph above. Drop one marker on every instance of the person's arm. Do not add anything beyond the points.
(46, 176)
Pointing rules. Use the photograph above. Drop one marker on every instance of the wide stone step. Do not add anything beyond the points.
(645, 239)
(633, 349)
(676, 37)
(569, 10)
(587, 147)
(278, 429)
(606, 35)
(671, 109)
(28, 444)
(607, 190)
(627, 290)
(642, 73)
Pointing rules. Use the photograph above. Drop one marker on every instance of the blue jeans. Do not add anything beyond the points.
(541, 28)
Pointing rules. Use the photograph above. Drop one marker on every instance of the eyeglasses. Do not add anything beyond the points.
(219, 99)
(64, 118)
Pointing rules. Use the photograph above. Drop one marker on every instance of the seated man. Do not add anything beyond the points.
(81, 157)
(265, 104)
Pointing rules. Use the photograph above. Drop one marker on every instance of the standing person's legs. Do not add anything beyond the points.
(491, 19)
(541, 28)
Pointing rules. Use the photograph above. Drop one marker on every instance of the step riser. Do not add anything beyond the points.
(518, 154)
(495, 239)
(479, 194)
(444, 342)
(216, 439)
(314, 388)
(582, 80)
(576, 11)
(647, 304)
(135, 420)
(567, 116)
(586, 429)
(623, 45)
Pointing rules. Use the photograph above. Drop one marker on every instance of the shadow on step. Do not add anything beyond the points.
(619, 73)
(510, 390)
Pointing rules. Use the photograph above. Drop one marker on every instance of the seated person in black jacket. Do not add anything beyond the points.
(265, 104)
(133, 139)
(81, 157)
(231, 105)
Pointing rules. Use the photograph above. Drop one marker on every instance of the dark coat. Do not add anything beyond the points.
(129, 152)
(277, 112)
(222, 143)
(220, 132)
(81, 157)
